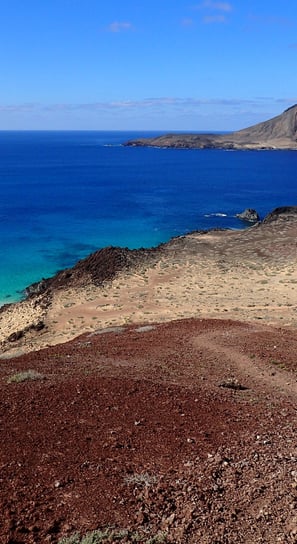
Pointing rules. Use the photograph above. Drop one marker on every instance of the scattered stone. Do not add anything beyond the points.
(233, 384)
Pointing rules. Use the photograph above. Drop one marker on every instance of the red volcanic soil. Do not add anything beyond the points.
(181, 432)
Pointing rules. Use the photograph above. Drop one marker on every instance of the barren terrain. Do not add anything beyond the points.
(184, 430)
(154, 399)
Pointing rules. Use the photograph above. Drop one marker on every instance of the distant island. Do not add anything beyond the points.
(277, 133)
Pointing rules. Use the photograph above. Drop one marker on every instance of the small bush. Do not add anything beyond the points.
(74, 539)
(111, 536)
(142, 479)
(95, 537)
(24, 376)
(160, 538)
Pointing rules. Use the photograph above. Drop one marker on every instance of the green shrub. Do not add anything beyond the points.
(24, 376)
(110, 535)
(143, 479)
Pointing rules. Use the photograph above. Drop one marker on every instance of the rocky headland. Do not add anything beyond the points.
(150, 395)
(277, 133)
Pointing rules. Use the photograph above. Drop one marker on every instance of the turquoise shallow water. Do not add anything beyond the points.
(66, 194)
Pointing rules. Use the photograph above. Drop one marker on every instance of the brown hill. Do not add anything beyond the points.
(280, 132)
(282, 128)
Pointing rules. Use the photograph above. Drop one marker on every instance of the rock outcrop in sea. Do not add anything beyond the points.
(249, 215)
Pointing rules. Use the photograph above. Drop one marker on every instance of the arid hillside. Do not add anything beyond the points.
(247, 275)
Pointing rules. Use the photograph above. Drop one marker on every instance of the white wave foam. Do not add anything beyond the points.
(215, 215)
(112, 145)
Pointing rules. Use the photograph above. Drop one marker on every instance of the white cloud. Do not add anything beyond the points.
(19, 108)
(215, 12)
(187, 21)
(119, 26)
(269, 20)
(150, 104)
(209, 19)
(217, 6)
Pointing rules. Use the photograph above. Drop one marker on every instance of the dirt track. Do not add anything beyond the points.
(185, 431)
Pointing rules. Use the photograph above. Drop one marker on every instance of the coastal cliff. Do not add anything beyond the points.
(277, 133)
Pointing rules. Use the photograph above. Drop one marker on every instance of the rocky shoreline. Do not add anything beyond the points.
(103, 265)
(114, 285)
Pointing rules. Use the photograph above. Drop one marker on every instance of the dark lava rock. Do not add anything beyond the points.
(15, 336)
(34, 327)
(36, 288)
(37, 326)
(98, 268)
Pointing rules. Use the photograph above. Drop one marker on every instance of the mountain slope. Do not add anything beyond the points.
(282, 127)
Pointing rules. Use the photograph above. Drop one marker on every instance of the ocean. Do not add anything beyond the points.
(66, 194)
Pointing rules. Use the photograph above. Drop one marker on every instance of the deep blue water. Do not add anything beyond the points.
(66, 194)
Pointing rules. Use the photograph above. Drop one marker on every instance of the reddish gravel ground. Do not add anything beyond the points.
(181, 432)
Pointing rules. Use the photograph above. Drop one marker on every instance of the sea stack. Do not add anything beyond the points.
(250, 215)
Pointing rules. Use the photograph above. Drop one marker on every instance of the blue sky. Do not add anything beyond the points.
(146, 65)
